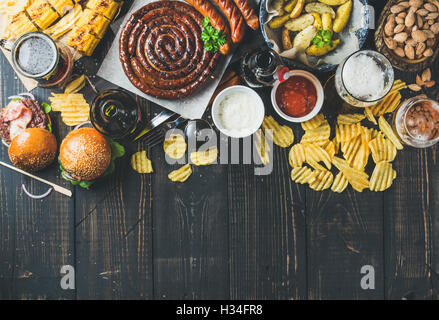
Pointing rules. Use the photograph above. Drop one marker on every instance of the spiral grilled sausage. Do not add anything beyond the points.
(161, 50)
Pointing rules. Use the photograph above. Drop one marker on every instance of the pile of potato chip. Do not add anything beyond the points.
(349, 151)
(175, 147)
(73, 107)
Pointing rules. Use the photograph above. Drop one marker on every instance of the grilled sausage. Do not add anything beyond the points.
(249, 13)
(216, 19)
(236, 20)
(162, 52)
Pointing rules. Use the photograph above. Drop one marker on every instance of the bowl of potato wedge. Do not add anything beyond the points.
(315, 34)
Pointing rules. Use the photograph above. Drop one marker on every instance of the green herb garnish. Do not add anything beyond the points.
(46, 107)
(213, 38)
(323, 37)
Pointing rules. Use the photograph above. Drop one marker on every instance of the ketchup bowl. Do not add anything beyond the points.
(301, 96)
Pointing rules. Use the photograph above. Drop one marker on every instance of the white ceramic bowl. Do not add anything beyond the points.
(319, 102)
(259, 107)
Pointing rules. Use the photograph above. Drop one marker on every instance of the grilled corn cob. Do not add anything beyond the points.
(95, 23)
(82, 40)
(20, 24)
(42, 14)
(107, 8)
(61, 6)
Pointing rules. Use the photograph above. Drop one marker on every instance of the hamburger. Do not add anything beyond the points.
(33, 149)
(19, 114)
(86, 155)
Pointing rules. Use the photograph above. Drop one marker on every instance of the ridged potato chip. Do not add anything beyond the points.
(317, 154)
(297, 155)
(369, 115)
(382, 177)
(76, 85)
(182, 174)
(282, 136)
(388, 132)
(318, 135)
(340, 183)
(357, 178)
(175, 146)
(303, 175)
(350, 118)
(350, 149)
(361, 158)
(314, 123)
(330, 148)
(387, 105)
(262, 147)
(323, 181)
(346, 132)
(140, 162)
(315, 165)
(204, 158)
(382, 149)
(73, 107)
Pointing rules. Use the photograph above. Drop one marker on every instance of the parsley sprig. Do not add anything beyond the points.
(213, 38)
(323, 37)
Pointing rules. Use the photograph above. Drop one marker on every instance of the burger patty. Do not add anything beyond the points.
(39, 119)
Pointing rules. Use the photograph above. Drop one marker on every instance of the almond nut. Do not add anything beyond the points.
(430, 7)
(431, 42)
(419, 21)
(414, 87)
(402, 15)
(435, 28)
(423, 12)
(402, 37)
(399, 28)
(426, 75)
(390, 43)
(409, 52)
(410, 19)
(397, 9)
(411, 42)
(432, 15)
(390, 26)
(404, 4)
(399, 52)
(430, 34)
(430, 83)
(428, 53)
(419, 36)
(416, 3)
(420, 48)
(419, 81)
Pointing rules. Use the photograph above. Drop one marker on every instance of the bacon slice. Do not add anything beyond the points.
(13, 110)
(18, 125)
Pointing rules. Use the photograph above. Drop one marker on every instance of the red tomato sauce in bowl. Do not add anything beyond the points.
(296, 97)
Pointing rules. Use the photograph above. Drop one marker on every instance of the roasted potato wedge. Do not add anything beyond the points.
(290, 5)
(333, 2)
(318, 52)
(342, 17)
(297, 11)
(300, 23)
(317, 21)
(320, 8)
(327, 21)
(303, 39)
(278, 6)
(279, 21)
(286, 39)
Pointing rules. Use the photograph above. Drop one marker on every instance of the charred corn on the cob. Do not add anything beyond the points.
(107, 8)
(82, 40)
(95, 23)
(20, 24)
(61, 6)
(42, 14)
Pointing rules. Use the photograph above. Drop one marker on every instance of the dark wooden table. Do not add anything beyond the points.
(224, 234)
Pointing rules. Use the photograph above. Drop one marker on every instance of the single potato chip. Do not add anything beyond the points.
(297, 155)
(357, 178)
(303, 175)
(346, 132)
(387, 105)
(323, 181)
(369, 115)
(350, 149)
(314, 123)
(351, 118)
(182, 174)
(204, 158)
(73, 107)
(318, 135)
(340, 183)
(282, 136)
(382, 177)
(317, 154)
(175, 146)
(382, 149)
(140, 162)
(388, 132)
(330, 148)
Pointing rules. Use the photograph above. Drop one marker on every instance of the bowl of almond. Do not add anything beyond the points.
(408, 33)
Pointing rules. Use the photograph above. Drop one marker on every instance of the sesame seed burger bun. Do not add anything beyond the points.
(33, 149)
(85, 154)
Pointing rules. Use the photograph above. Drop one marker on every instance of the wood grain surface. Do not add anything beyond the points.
(225, 233)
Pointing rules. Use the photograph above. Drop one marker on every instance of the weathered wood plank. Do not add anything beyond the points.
(36, 236)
